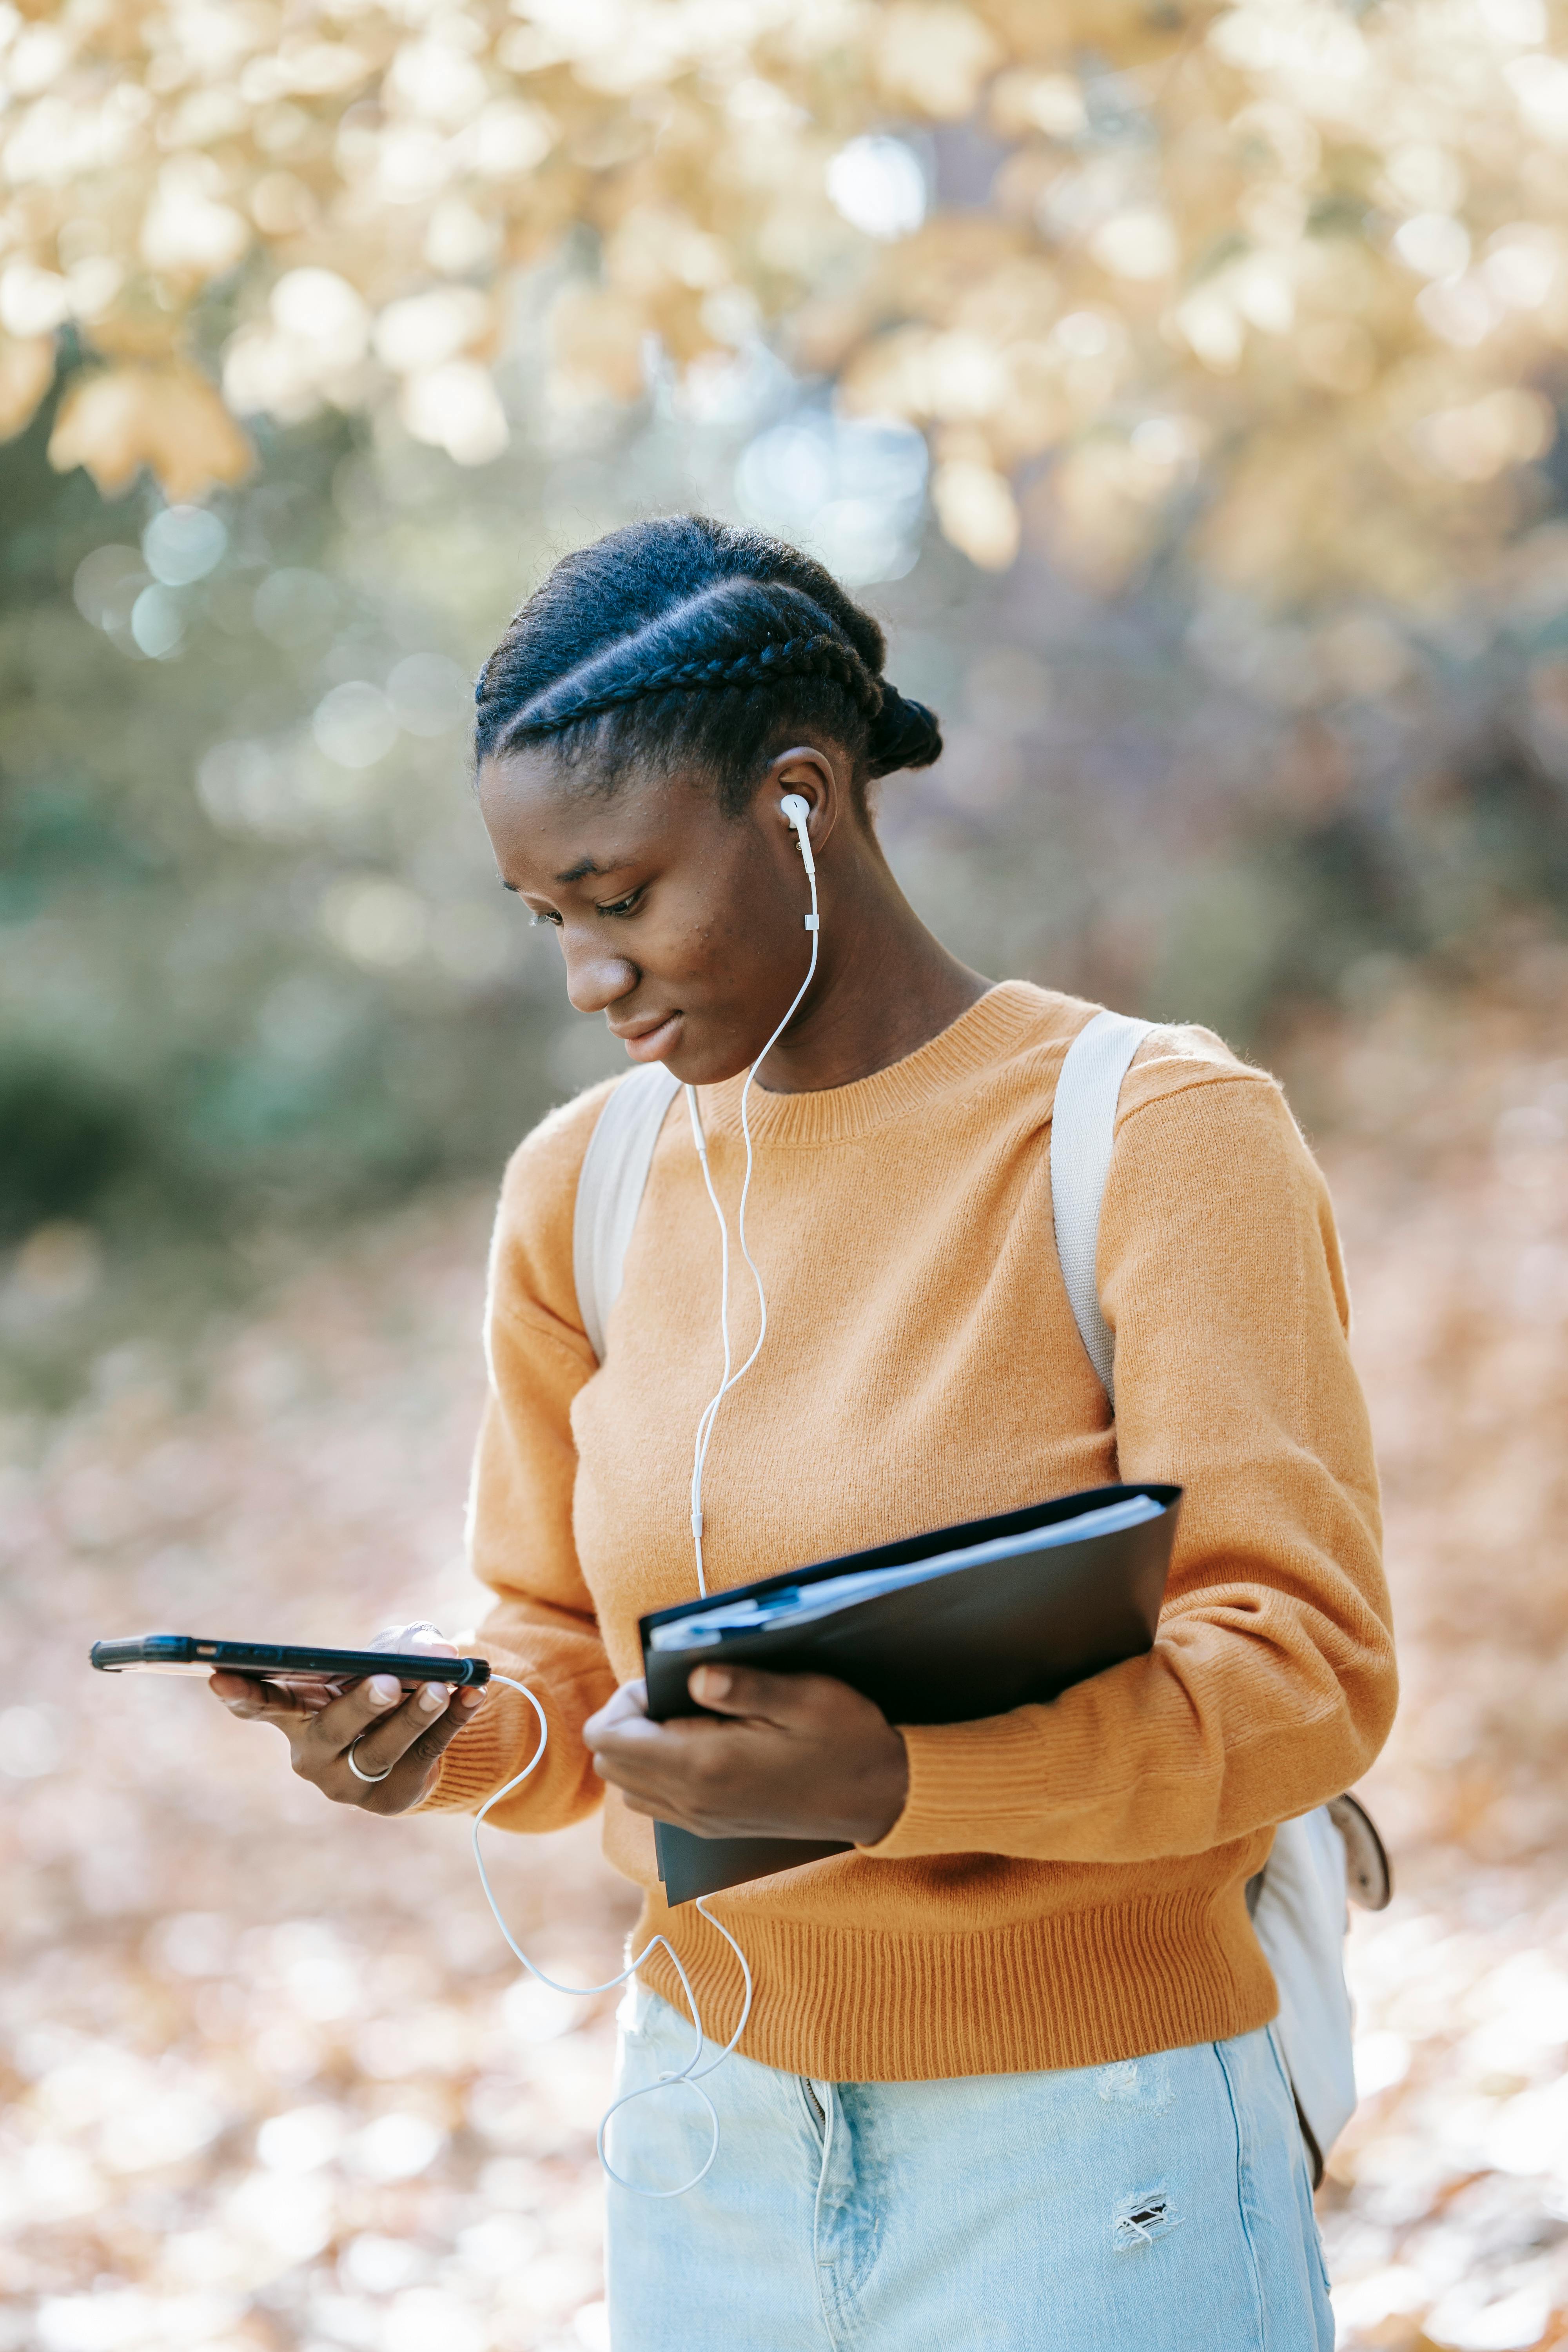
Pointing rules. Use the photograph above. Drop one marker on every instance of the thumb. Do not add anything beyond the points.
(745, 1690)
(424, 1638)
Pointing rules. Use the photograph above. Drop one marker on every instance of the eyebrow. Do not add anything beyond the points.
(578, 873)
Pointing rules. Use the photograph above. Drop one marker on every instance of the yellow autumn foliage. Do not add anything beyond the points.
(1318, 256)
(115, 421)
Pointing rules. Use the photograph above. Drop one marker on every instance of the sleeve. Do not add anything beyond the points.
(542, 1629)
(1271, 1683)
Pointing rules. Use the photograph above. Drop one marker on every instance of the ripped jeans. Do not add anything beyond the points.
(1161, 2204)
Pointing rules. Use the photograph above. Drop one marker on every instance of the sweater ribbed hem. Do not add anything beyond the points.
(1077, 1988)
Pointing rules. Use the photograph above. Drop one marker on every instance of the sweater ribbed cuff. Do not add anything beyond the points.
(484, 1755)
(966, 1781)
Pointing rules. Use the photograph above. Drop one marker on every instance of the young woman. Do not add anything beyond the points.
(1008, 2079)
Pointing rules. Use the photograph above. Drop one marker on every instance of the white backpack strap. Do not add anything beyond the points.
(609, 1192)
(1298, 1900)
(1083, 1128)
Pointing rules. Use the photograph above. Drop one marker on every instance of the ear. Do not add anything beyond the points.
(821, 782)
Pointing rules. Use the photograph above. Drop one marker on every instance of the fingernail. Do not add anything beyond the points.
(715, 1682)
(470, 1698)
(382, 1689)
(431, 1696)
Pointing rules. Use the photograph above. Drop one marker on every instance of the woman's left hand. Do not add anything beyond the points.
(778, 1756)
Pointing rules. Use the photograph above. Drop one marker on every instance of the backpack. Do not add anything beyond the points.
(1297, 1901)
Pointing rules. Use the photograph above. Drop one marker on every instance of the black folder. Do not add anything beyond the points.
(974, 1640)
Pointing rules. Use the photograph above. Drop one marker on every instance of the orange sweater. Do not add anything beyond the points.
(1066, 1884)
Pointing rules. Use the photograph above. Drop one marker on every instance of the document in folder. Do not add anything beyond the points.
(947, 1627)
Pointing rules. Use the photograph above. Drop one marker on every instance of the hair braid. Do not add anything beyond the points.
(814, 657)
(688, 638)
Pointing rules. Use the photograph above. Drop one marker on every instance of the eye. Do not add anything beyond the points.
(626, 905)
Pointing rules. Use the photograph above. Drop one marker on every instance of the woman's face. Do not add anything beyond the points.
(683, 926)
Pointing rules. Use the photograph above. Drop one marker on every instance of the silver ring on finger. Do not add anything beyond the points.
(358, 1771)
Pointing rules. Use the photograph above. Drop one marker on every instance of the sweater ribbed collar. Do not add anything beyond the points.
(1013, 1017)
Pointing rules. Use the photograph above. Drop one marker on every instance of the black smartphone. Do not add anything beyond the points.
(276, 1661)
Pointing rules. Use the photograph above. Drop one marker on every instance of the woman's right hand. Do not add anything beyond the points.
(395, 1741)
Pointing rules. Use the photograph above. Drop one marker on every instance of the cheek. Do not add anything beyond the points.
(729, 946)
(725, 942)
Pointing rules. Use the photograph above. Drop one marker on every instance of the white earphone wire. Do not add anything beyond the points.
(691, 2073)
(710, 1412)
(712, 1406)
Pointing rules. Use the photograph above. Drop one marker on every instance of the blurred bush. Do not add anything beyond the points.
(251, 953)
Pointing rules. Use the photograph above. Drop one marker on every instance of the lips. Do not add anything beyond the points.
(652, 1042)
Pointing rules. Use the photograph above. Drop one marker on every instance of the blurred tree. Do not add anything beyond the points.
(1285, 279)
(1258, 696)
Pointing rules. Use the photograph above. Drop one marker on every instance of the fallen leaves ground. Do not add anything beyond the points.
(272, 2083)
(1447, 2211)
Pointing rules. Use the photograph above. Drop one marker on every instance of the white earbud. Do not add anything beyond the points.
(796, 812)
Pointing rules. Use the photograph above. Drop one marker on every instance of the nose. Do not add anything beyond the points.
(595, 978)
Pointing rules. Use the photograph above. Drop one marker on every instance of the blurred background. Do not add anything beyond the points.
(1182, 387)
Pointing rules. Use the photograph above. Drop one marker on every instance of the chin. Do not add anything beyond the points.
(697, 1063)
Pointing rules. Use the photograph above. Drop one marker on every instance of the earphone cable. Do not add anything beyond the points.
(705, 1426)
(691, 2073)
(712, 1406)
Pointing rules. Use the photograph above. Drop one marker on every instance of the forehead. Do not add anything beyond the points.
(551, 824)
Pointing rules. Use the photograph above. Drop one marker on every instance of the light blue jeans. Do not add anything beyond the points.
(1158, 2205)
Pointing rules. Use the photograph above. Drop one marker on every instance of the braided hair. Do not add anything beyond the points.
(684, 640)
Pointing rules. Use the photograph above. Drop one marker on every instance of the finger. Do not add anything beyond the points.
(309, 1695)
(652, 1809)
(650, 1781)
(630, 1704)
(664, 1763)
(687, 1782)
(405, 1745)
(423, 1639)
(637, 1744)
(253, 1700)
(427, 1640)
(744, 1690)
(334, 1731)
(442, 1729)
